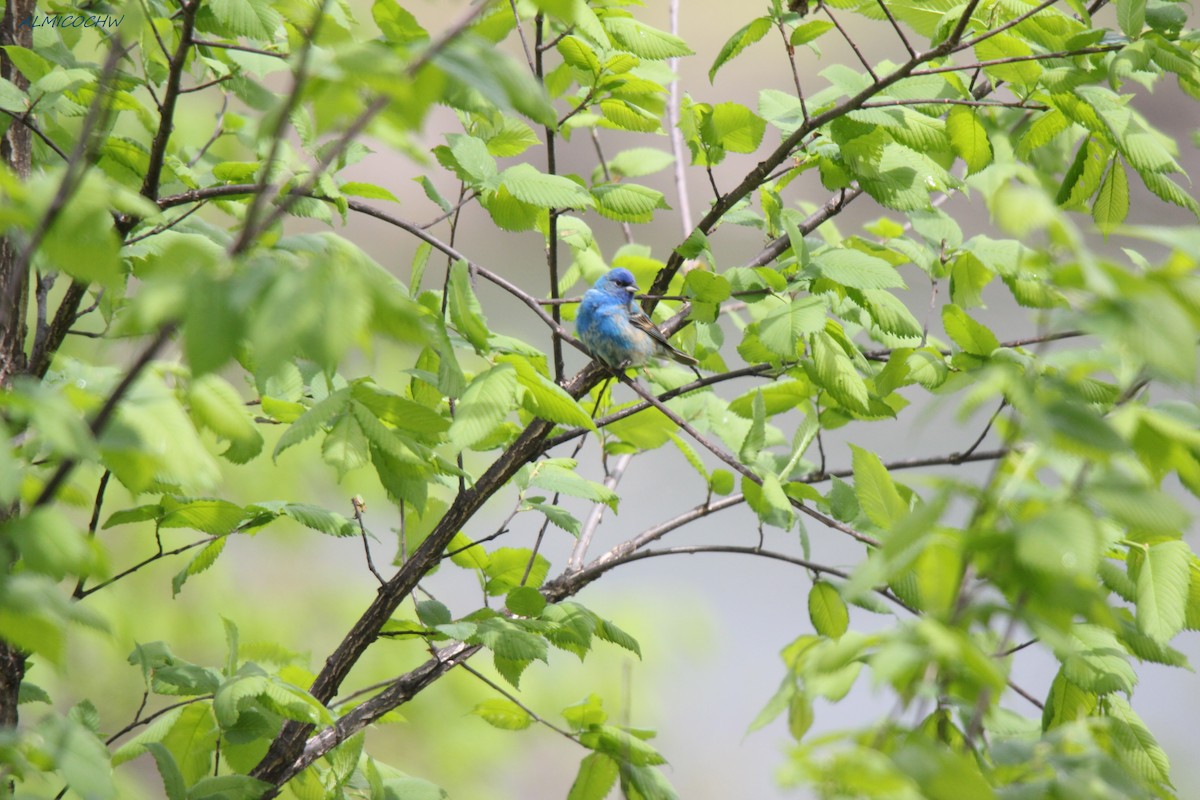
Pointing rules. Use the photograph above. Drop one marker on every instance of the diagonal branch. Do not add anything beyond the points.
(107, 410)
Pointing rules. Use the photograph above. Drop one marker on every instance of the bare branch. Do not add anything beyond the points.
(512, 699)
(166, 124)
(853, 46)
(359, 508)
(81, 593)
(896, 27)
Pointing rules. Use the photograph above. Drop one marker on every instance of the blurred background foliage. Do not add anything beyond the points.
(306, 312)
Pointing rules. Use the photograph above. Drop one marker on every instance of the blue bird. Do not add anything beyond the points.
(617, 331)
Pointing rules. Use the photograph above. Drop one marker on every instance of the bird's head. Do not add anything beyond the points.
(618, 282)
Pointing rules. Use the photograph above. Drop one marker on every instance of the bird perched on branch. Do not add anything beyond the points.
(617, 331)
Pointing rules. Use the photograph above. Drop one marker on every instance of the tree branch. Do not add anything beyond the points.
(158, 148)
(107, 410)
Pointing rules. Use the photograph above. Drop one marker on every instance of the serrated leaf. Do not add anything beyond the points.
(968, 138)
(1112, 201)
(484, 405)
(465, 310)
(597, 774)
(827, 610)
(1163, 580)
(876, 491)
(968, 334)
(857, 270)
(530, 186)
(645, 41)
(628, 202)
(743, 38)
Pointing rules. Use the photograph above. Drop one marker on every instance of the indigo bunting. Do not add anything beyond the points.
(617, 331)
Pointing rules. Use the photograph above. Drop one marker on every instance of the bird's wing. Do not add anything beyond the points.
(640, 321)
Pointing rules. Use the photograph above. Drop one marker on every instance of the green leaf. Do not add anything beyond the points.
(734, 127)
(756, 434)
(827, 610)
(346, 446)
(487, 401)
(504, 714)
(628, 202)
(578, 54)
(228, 787)
(1024, 73)
(1134, 742)
(216, 405)
(1063, 541)
(525, 601)
(1112, 201)
(203, 560)
(530, 186)
(559, 475)
(465, 311)
(832, 370)
(597, 774)
(545, 398)
(367, 190)
(77, 755)
(216, 517)
(968, 334)
(856, 269)
(743, 38)
(644, 41)
(1131, 16)
(968, 138)
(876, 492)
(1163, 580)
(313, 420)
(800, 715)
(810, 31)
(783, 329)
(253, 18)
(173, 785)
(638, 161)
(621, 745)
(506, 571)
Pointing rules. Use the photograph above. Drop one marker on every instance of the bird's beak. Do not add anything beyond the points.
(632, 289)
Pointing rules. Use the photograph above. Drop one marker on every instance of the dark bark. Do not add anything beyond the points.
(16, 150)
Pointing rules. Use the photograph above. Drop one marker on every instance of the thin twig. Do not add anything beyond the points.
(140, 721)
(853, 46)
(588, 529)
(23, 118)
(521, 34)
(899, 32)
(993, 62)
(359, 507)
(593, 571)
(741, 468)
(241, 47)
(790, 49)
(509, 696)
(143, 563)
(166, 226)
(94, 522)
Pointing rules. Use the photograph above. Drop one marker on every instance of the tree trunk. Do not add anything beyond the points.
(16, 150)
